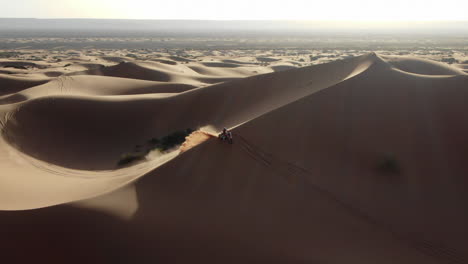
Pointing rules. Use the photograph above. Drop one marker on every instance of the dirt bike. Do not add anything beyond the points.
(225, 137)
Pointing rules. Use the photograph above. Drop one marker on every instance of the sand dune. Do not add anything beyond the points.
(463, 67)
(277, 68)
(21, 65)
(114, 59)
(302, 182)
(236, 62)
(420, 66)
(221, 71)
(129, 70)
(161, 73)
(221, 64)
(103, 85)
(12, 84)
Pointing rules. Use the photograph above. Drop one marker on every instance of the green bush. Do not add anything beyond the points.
(9, 54)
(389, 164)
(163, 144)
(20, 67)
(173, 139)
(131, 55)
(154, 141)
(449, 60)
(128, 158)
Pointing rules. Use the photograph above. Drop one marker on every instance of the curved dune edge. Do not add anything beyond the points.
(12, 84)
(192, 74)
(102, 86)
(99, 190)
(421, 66)
(50, 185)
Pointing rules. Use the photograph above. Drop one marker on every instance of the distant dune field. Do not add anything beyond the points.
(339, 158)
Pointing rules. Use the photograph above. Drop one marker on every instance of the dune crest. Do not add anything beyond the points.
(421, 66)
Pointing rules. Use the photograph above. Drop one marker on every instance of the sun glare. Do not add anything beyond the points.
(360, 10)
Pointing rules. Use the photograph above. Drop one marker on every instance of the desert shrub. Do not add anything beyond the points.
(173, 139)
(266, 59)
(169, 141)
(312, 58)
(389, 164)
(16, 67)
(162, 144)
(138, 146)
(154, 141)
(35, 58)
(9, 54)
(131, 55)
(128, 158)
(67, 65)
(449, 60)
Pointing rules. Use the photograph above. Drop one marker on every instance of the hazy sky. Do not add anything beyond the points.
(240, 9)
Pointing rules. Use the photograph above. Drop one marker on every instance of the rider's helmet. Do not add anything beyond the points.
(224, 130)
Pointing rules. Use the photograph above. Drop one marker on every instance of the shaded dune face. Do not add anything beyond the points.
(83, 134)
(53, 74)
(421, 66)
(300, 184)
(163, 72)
(339, 135)
(221, 64)
(129, 70)
(10, 85)
(11, 99)
(82, 85)
(330, 150)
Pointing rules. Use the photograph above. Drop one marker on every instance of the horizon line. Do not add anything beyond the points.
(235, 20)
